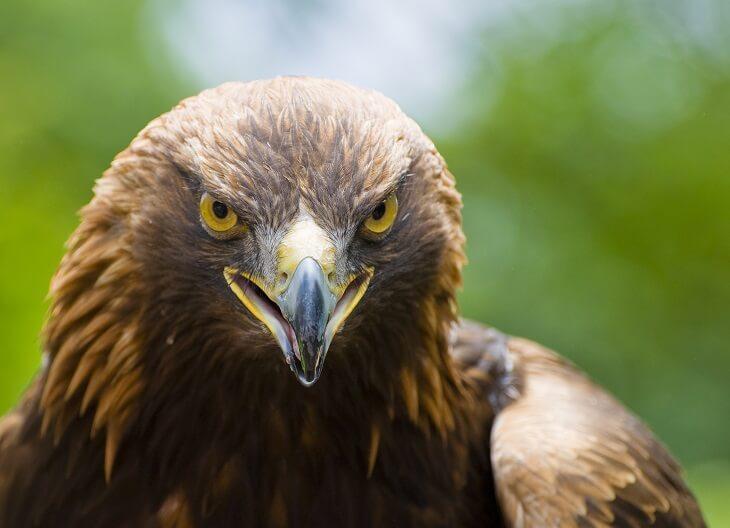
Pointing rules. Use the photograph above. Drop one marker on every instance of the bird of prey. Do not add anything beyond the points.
(306, 225)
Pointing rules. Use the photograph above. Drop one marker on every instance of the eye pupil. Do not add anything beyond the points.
(378, 212)
(220, 210)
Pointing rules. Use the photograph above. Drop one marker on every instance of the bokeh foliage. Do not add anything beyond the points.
(597, 206)
(595, 171)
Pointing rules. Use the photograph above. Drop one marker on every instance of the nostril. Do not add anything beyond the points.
(331, 277)
(283, 277)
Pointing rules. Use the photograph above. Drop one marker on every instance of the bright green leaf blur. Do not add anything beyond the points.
(595, 173)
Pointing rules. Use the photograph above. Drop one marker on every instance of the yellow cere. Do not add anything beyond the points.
(382, 216)
(218, 216)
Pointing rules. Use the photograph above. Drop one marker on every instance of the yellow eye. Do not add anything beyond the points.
(217, 215)
(382, 217)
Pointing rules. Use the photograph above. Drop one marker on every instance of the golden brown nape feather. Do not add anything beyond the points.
(167, 399)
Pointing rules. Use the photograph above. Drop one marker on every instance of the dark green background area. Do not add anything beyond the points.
(595, 174)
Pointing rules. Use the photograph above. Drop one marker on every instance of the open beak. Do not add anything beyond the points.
(305, 316)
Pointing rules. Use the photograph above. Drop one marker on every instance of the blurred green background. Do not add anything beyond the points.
(591, 142)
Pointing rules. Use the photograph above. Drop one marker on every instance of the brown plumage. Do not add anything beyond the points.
(166, 400)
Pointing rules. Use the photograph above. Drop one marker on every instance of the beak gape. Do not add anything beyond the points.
(305, 317)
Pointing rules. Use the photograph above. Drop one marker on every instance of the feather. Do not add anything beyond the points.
(373, 450)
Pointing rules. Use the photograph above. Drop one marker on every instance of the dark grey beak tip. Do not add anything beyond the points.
(307, 379)
(307, 375)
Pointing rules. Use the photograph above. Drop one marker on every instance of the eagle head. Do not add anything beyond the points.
(262, 224)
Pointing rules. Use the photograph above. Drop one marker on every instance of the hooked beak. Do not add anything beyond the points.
(305, 316)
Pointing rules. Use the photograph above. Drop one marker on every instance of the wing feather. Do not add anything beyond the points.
(564, 452)
(572, 455)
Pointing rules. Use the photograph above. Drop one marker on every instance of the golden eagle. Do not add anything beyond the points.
(273, 225)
